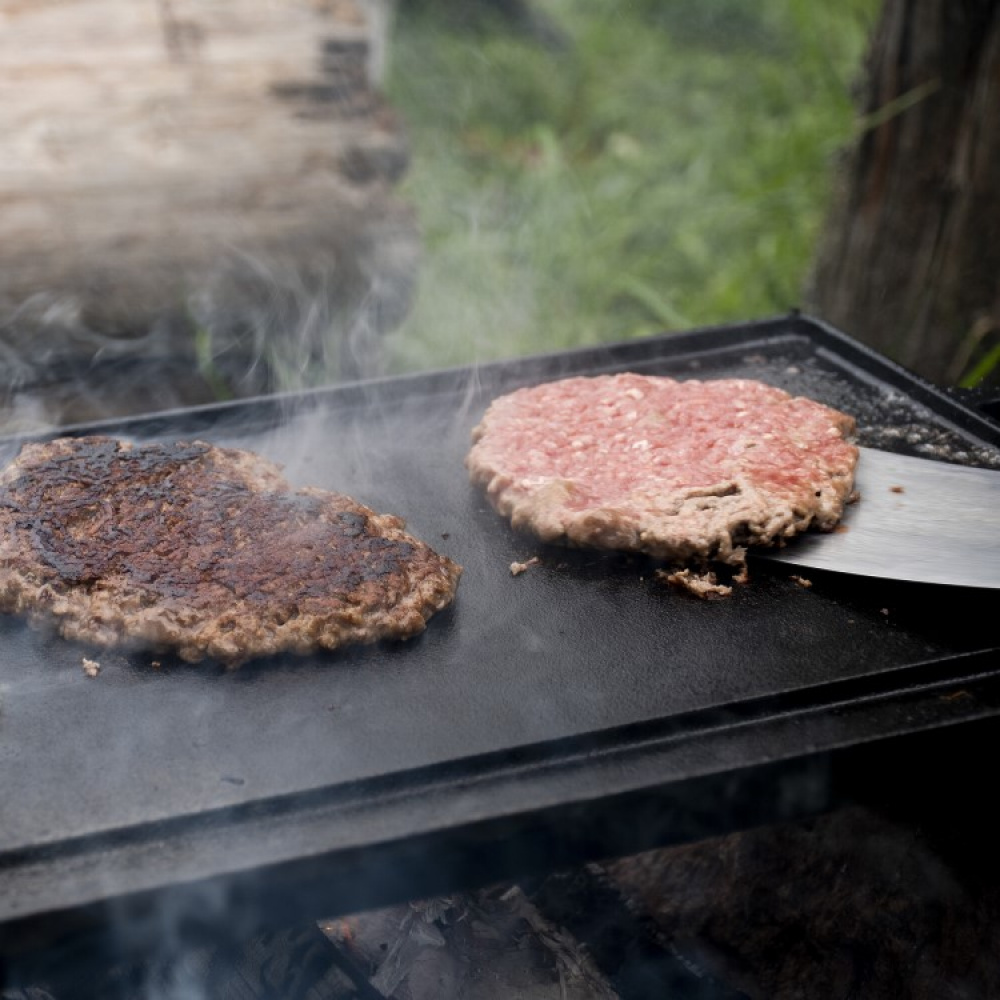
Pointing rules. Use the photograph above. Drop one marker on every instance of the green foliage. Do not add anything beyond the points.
(984, 371)
(668, 166)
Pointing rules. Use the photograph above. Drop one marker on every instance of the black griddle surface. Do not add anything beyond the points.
(578, 652)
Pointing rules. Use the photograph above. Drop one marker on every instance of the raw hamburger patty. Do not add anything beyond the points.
(682, 471)
(203, 550)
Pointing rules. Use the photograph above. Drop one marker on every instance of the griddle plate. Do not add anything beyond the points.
(556, 668)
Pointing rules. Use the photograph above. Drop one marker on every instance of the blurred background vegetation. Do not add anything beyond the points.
(603, 170)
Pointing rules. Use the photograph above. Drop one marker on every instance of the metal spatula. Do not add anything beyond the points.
(917, 519)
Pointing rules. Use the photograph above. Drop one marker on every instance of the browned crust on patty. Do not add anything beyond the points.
(682, 471)
(205, 551)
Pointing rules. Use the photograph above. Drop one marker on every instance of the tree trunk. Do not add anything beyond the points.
(910, 259)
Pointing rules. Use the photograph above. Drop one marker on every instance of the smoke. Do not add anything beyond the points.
(262, 251)
(255, 323)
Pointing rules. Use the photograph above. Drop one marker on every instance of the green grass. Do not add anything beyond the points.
(669, 167)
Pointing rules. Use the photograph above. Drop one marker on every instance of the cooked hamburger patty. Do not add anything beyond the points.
(682, 471)
(203, 550)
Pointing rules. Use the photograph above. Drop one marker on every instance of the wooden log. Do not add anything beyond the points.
(198, 177)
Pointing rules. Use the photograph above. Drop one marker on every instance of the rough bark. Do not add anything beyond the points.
(910, 260)
(176, 169)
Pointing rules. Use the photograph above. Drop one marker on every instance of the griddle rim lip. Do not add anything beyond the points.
(866, 362)
(551, 819)
(738, 716)
(547, 758)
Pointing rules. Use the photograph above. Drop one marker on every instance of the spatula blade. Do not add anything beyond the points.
(917, 520)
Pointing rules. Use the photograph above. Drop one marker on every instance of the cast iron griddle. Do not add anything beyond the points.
(553, 705)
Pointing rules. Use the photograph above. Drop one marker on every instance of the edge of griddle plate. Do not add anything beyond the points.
(869, 365)
(864, 363)
(498, 795)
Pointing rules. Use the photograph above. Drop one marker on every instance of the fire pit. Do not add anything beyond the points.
(575, 711)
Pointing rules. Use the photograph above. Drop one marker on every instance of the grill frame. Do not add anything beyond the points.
(532, 805)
